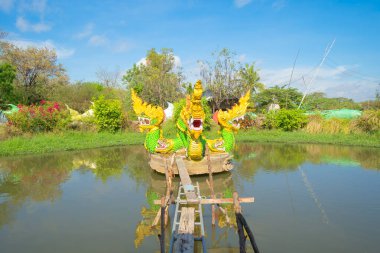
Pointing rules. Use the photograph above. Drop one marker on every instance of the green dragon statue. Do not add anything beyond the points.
(190, 126)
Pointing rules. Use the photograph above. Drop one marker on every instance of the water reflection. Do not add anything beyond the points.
(35, 179)
(287, 157)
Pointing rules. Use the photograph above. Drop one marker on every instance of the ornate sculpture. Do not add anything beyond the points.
(189, 126)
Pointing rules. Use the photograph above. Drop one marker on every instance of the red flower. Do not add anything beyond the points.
(56, 106)
(42, 102)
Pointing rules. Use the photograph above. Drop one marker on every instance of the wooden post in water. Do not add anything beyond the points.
(211, 185)
(162, 237)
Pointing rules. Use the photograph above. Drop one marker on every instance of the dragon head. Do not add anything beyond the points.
(193, 113)
(149, 116)
(230, 119)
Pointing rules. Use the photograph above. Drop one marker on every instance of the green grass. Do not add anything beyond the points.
(51, 142)
(367, 140)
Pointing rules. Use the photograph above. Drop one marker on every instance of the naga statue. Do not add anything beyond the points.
(190, 142)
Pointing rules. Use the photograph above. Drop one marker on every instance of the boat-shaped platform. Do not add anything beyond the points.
(219, 162)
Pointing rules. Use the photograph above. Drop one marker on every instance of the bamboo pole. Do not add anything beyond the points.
(211, 185)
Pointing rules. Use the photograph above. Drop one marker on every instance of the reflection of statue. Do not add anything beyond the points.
(190, 127)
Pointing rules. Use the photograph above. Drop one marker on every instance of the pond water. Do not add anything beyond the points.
(308, 198)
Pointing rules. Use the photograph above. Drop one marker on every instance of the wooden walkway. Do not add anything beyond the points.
(188, 209)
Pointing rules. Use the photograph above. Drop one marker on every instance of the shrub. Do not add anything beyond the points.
(247, 122)
(284, 119)
(270, 121)
(108, 114)
(369, 122)
(47, 116)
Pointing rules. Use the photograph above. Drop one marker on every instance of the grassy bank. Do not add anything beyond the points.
(365, 140)
(50, 142)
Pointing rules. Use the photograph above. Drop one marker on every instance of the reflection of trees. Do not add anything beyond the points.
(36, 178)
(282, 157)
(138, 165)
(113, 162)
(270, 157)
(39, 177)
(104, 163)
(368, 158)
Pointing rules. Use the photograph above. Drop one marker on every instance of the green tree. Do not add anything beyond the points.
(38, 72)
(79, 95)
(7, 76)
(221, 76)
(289, 97)
(250, 79)
(319, 101)
(227, 79)
(159, 80)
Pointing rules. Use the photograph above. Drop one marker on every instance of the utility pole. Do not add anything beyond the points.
(327, 51)
(290, 80)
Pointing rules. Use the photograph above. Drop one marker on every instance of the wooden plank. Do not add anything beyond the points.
(158, 216)
(185, 179)
(215, 201)
(186, 222)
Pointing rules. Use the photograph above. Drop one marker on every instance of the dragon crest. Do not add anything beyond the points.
(149, 116)
(230, 119)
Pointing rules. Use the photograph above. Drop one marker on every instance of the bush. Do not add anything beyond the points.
(369, 122)
(108, 114)
(284, 119)
(47, 116)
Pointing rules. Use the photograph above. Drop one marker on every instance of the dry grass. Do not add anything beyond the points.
(3, 132)
(318, 125)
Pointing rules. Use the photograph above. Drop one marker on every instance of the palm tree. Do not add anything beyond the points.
(250, 79)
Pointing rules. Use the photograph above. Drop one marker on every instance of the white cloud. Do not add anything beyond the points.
(62, 52)
(6, 5)
(86, 32)
(242, 58)
(38, 6)
(98, 40)
(142, 61)
(177, 61)
(334, 82)
(241, 3)
(122, 46)
(24, 26)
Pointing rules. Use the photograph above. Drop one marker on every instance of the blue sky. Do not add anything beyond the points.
(113, 35)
